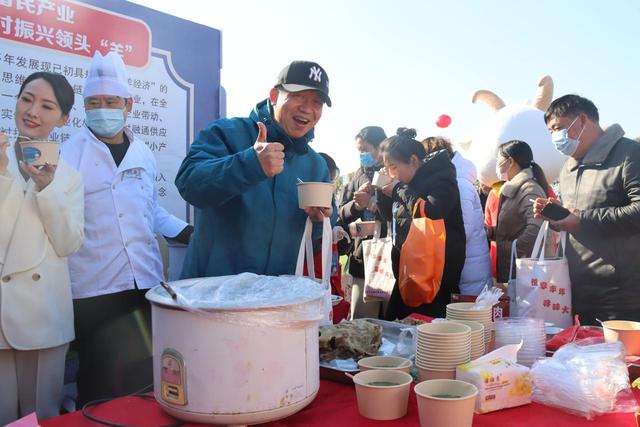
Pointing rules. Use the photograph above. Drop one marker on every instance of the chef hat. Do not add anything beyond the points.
(107, 76)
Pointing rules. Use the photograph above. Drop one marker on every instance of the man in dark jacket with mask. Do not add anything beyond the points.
(359, 202)
(241, 175)
(600, 184)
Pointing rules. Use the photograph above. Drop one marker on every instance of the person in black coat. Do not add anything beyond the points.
(433, 179)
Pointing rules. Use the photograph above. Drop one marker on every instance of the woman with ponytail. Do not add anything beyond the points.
(524, 181)
(431, 178)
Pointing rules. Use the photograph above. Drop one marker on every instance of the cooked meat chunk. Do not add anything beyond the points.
(350, 338)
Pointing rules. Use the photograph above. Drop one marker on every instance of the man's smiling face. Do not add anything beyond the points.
(296, 112)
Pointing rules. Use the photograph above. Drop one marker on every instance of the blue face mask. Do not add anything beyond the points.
(563, 143)
(367, 160)
(105, 121)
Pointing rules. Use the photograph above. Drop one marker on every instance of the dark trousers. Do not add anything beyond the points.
(113, 342)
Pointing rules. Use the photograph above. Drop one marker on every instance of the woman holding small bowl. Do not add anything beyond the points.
(42, 217)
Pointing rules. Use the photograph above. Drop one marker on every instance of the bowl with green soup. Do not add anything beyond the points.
(385, 363)
(382, 394)
(445, 403)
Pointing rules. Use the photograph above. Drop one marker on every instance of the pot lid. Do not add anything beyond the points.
(246, 291)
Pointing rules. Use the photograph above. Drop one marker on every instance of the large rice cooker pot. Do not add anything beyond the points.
(237, 356)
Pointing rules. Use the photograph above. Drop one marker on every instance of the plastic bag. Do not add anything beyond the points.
(422, 258)
(487, 298)
(281, 301)
(573, 333)
(407, 342)
(586, 380)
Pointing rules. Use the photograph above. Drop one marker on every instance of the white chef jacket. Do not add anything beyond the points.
(121, 218)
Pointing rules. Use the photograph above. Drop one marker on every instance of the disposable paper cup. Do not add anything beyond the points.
(457, 355)
(477, 328)
(443, 367)
(444, 343)
(380, 402)
(483, 318)
(444, 329)
(362, 228)
(315, 194)
(462, 306)
(430, 360)
(380, 180)
(393, 363)
(466, 307)
(445, 338)
(37, 153)
(461, 315)
(335, 300)
(444, 348)
(442, 364)
(444, 352)
(437, 407)
(625, 331)
(425, 374)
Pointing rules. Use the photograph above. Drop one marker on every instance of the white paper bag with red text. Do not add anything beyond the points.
(543, 287)
(378, 271)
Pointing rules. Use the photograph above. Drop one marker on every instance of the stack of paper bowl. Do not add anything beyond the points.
(477, 337)
(440, 348)
(465, 311)
(512, 330)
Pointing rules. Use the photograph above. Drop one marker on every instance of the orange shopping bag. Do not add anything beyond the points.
(422, 258)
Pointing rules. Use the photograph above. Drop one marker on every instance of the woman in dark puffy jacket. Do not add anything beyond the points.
(432, 178)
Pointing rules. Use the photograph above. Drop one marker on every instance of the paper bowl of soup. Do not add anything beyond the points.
(362, 228)
(380, 180)
(382, 394)
(315, 194)
(445, 403)
(385, 363)
(38, 153)
(625, 331)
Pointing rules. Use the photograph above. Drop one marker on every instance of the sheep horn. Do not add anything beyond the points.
(544, 96)
(489, 98)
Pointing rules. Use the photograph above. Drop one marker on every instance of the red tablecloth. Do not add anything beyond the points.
(335, 406)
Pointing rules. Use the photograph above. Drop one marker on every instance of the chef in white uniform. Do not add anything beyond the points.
(120, 257)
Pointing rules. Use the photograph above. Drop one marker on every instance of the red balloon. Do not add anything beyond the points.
(443, 121)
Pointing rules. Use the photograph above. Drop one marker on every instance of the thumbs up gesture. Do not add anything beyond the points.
(270, 154)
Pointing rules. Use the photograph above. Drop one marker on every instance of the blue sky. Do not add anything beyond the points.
(403, 63)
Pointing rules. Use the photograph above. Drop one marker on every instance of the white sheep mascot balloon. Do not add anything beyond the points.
(523, 122)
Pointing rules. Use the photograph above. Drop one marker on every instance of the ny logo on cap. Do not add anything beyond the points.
(315, 73)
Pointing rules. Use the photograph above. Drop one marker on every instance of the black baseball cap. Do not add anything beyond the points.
(304, 75)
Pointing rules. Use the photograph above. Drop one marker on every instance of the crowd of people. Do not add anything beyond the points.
(78, 244)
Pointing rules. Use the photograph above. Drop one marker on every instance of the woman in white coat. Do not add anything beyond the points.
(42, 217)
(477, 265)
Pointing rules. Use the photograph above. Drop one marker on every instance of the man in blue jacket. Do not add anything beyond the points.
(241, 175)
